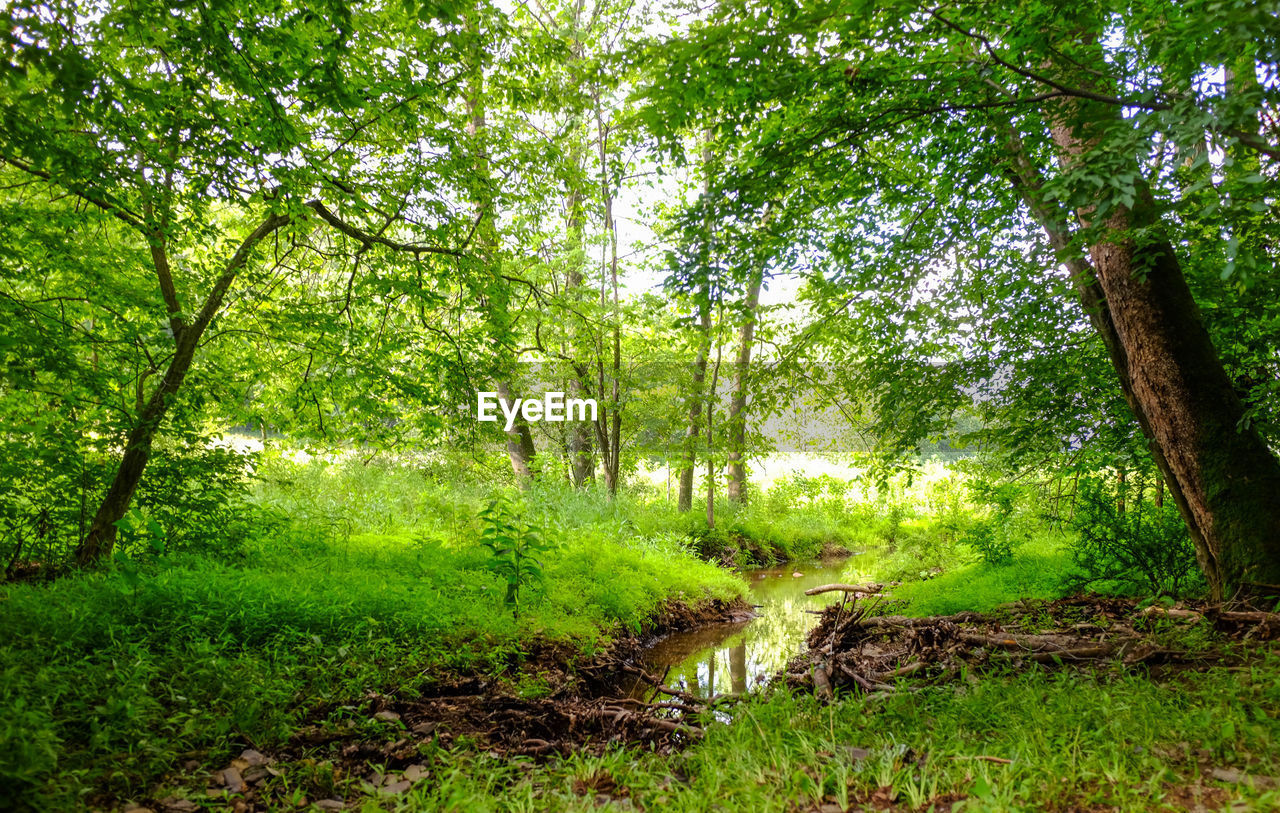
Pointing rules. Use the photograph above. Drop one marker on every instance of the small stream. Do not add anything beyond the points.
(737, 657)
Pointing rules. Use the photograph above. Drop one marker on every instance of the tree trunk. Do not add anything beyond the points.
(611, 434)
(738, 667)
(581, 457)
(1224, 479)
(689, 449)
(712, 398)
(520, 448)
(736, 486)
(100, 539)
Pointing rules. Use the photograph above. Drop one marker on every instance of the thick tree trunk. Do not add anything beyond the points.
(737, 478)
(1224, 479)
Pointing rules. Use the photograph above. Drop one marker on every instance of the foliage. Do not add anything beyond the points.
(1141, 547)
(1072, 741)
(336, 223)
(1039, 569)
(112, 678)
(930, 204)
(514, 545)
(996, 536)
(193, 500)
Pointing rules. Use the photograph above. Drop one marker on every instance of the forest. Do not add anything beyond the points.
(540, 405)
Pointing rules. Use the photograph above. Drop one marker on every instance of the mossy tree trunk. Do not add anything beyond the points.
(1221, 474)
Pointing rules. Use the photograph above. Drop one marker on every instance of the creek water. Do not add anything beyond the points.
(737, 657)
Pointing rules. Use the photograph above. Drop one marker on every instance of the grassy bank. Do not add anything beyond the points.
(1039, 569)
(1037, 741)
(113, 679)
(341, 579)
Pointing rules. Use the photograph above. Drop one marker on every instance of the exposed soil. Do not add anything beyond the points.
(377, 747)
(577, 708)
(857, 647)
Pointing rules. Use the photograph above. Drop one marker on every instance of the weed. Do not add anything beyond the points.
(514, 545)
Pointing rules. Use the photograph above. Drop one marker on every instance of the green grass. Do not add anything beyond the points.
(1036, 570)
(109, 679)
(1074, 741)
(363, 578)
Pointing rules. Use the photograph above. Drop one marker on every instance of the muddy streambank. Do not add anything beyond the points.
(653, 690)
(549, 701)
(552, 702)
(715, 660)
(644, 691)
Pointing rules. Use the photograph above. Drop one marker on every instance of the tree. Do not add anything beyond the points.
(699, 398)
(912, 134)
(222, 147)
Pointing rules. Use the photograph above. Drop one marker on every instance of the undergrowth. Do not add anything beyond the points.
(1035, 741)
(340, 578)
(112, 679)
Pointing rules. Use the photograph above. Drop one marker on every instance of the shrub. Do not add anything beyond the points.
(1144, 548)
(192, 498)
(996, 537)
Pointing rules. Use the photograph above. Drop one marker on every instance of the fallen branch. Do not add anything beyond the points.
(1177, 615)
(687, 709)
(1080, 654)
(872, 652)
(821, 683)
(1248, 616)
(620, 714)
(844, 588)
(901, 671)
(875, 621)
(661, 687)
(1234, 616)
(863, 683)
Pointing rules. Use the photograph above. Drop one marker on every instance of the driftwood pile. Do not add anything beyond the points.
(857, 647)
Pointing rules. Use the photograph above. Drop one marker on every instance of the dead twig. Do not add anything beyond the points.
(984, 758)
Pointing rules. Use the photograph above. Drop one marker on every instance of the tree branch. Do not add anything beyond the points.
(116, 210)
(367, 239)
(1080, 93)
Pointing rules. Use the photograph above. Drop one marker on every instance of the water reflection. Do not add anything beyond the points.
(736, 657)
